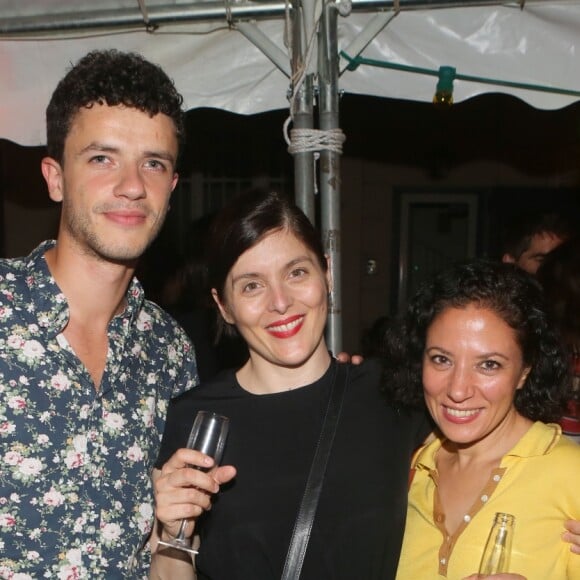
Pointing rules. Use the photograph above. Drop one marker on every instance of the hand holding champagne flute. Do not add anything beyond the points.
(208, 435)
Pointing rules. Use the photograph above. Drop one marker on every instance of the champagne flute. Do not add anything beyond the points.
(208, 435)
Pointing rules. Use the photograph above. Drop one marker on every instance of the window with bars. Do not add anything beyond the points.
(197, 196)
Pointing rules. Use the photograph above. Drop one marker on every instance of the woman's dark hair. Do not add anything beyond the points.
(245, 222)
(559, 275)
(517, 299)
(113, 78)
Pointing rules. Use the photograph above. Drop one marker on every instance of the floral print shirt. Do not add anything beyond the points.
(75, 463)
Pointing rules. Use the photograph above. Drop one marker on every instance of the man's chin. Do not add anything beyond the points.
(123, 256)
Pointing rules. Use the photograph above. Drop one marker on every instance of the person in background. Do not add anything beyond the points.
(478, 348)
(270, 281)
(531, 236)
(559, 275)
(87, 365)
(175, 279)
(372, 339)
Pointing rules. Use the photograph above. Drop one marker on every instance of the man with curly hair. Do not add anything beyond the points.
(87, 365)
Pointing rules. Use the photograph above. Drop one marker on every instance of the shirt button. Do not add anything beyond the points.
(467, 518)
(496, 477)
(484, 498)
(439, 518)
(443, 561)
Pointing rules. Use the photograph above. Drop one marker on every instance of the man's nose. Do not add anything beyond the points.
(131, 183)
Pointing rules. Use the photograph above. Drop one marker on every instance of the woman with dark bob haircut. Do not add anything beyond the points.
(478, 347)
(270, 280)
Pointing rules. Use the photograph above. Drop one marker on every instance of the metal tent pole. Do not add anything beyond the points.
(304, 175)
(329, 171)
(302, 107)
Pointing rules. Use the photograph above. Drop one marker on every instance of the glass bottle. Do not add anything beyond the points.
(496, 556)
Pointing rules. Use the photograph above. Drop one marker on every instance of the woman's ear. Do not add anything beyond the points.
(222, 307)
(523, 378)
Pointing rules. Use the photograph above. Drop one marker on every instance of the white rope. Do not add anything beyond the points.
(309, 140)
(299, 75)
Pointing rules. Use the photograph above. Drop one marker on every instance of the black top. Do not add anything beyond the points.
(359, 524)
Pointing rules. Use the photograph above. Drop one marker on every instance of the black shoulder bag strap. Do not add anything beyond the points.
(307, 511)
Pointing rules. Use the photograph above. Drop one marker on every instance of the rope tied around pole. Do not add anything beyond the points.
(308, 140)
(313, 140)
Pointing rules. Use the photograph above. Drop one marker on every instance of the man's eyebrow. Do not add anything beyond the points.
(99, 147)
(160, 155)
(104, 148)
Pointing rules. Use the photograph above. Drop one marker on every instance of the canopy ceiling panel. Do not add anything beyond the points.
(213, 65)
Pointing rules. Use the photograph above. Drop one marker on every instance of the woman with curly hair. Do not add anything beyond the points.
(559, 276)
(478, 347)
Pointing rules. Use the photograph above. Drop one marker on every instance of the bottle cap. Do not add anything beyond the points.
(503, 518)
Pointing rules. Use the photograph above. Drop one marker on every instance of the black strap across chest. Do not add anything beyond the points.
(309, 503)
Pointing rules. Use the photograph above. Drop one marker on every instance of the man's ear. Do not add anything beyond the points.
(174, 181)
(52, 172)
(508, 259)
(222, 307)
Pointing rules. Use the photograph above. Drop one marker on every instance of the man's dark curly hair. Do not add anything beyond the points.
(517, 298)
(113, 78)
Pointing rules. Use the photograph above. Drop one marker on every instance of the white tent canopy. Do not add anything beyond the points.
(214, 65)
(210, 50)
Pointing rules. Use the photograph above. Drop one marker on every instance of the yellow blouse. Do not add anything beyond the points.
(538, 482)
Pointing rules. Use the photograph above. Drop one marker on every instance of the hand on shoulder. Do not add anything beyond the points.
(345, 357)
(572, 535)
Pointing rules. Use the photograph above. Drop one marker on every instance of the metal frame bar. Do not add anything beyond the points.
(132, 18)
